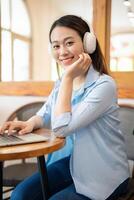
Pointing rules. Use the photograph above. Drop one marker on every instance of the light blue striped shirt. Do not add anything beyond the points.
(98, 156)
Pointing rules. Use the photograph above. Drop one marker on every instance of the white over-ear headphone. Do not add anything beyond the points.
(89, 42)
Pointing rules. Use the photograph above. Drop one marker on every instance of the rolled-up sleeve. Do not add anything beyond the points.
(95, 104)
(45, 114)
(61, 121)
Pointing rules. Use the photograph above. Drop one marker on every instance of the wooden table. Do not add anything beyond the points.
(38, 150)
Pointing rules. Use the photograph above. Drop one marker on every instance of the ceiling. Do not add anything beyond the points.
(119, 19)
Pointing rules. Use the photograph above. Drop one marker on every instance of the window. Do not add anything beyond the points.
(122, 52)
(15, 41)
(122, 47)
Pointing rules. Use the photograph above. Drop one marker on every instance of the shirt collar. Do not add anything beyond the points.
(92, 76)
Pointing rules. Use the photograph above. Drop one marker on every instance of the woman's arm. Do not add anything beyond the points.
(63, 103)
(80, 67)
(97, 102)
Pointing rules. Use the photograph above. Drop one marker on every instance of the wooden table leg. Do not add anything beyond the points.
(1, 179)
(44, 177)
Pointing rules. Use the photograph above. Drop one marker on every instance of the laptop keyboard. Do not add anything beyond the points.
(15, 139)
(9, 138)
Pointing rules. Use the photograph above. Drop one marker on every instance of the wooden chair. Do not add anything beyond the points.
(130, 192)
(11, 172)
(126, 115)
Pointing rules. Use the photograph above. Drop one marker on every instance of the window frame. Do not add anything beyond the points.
(21, 38)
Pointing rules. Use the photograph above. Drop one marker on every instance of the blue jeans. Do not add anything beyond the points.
(60, 183)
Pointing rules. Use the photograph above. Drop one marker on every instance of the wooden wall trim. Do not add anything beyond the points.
(127, 105)
(126, 93)
(44, 88)
(125, 84)
(102, 25)
(32, 88)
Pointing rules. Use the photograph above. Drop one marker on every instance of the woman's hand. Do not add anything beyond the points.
(22, 127)
(79, 67)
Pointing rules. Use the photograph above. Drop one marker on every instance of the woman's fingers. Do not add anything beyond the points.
(80, 66)
(24, 130)
(87, 59)
(5, 127)
(14, 126)
(10, 127)
(86, 62)
(20, 126)
(79, 61)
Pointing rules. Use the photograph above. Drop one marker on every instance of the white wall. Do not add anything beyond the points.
(9, 104)
(39, 10)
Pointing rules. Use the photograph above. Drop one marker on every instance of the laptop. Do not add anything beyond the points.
(15, 139)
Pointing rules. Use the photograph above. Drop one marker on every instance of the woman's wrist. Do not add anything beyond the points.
(68, 78)
(36, 122)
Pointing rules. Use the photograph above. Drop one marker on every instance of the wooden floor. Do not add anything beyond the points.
(6, 193)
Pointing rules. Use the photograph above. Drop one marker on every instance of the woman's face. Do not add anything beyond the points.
(66, 45)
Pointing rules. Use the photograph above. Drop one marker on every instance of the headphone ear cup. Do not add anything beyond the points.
(89, 42)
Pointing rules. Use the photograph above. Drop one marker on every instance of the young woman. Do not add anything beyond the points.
(83, 108)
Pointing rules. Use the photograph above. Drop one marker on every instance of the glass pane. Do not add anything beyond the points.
(6, 71)
(113, 64)
(20, 18)
(122, 36)
(21, 60)
(122, 48)
(125, 64)
(5, 14)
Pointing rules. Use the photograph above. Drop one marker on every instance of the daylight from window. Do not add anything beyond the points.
(122, 52)
(15, 40)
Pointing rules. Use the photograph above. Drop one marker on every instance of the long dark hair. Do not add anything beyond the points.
(81, 27)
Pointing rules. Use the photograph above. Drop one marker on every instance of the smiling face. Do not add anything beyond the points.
(66, 45)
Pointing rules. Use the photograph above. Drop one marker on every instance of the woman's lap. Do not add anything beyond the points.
(69, 193)
(28, 189)
(59, 178)
(60, 184)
